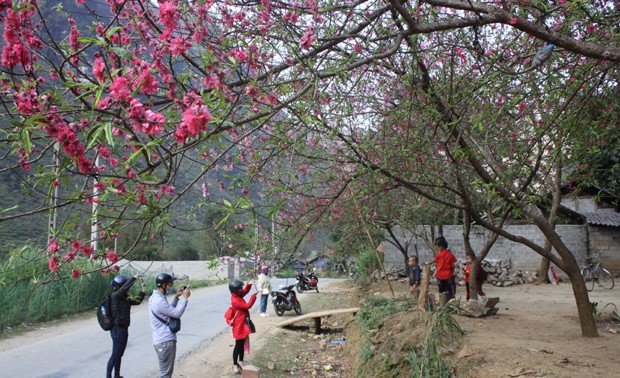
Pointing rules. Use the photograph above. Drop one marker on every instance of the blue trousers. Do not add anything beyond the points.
(119, 335)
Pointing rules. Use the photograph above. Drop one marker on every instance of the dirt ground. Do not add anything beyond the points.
(215, 359)
(536, 333)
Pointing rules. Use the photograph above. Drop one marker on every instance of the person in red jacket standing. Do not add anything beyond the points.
(481, 276)
(241, 331)
(445, 262)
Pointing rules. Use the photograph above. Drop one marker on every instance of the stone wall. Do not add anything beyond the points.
(522, 257)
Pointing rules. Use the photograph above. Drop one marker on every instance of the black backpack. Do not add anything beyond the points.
(104, 314)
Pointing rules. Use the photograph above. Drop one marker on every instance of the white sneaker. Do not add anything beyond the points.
(262, 314)
(266, 314)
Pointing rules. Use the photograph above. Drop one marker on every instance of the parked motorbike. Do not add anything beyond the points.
(285, 299)
(307, 282)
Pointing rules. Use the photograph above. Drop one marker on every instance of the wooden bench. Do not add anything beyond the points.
(316, 317)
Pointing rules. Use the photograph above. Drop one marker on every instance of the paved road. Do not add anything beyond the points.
(84, 351)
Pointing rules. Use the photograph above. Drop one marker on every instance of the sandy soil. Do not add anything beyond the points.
(536, 333)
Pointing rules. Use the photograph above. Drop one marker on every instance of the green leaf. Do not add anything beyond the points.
(86, 40)
(97, 98)
(108, 134)
(93, 135)
(113, 30)
(122, 53)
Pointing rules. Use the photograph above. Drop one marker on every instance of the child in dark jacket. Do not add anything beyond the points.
(415, 275)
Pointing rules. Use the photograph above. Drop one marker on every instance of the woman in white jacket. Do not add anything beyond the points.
(263, 288)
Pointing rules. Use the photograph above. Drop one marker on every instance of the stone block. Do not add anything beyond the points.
(250, 371)
(491, 302)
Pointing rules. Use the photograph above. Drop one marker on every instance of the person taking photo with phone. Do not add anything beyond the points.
(164, 340)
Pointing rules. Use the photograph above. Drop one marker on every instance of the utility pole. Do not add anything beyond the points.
(54, 195)
(94, 227)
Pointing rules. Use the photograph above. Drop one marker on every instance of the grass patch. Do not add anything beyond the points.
(379, 308)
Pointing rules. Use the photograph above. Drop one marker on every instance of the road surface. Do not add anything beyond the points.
(84, 350)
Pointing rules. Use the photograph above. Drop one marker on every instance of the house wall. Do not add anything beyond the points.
(606, 240)
(580, 204)
(574, 236)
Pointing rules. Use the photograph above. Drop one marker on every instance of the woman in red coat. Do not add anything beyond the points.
(241, 331)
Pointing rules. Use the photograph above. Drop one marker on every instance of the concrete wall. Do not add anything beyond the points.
(575, 237)
(227, 269)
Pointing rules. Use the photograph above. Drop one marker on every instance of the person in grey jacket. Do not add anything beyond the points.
(164, 340)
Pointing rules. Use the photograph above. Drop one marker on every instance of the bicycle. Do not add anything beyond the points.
(594, 271)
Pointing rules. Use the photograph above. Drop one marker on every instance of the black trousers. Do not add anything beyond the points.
(119, 335)
(445, 286)
(238, 351)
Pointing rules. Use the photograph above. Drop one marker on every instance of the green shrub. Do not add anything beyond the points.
(365, 264)
(31, 294)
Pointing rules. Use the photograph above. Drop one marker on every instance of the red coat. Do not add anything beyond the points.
(445, 263)
(239, 329)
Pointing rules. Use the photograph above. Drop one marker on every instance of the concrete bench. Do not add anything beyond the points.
(317, 316)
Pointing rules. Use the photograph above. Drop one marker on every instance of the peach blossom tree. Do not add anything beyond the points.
(106, 104)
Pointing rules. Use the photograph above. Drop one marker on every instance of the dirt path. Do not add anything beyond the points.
(214, 359)
(536, 333)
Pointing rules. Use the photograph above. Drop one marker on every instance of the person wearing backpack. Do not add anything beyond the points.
(164, 339)
(120, 308)
(240, 328)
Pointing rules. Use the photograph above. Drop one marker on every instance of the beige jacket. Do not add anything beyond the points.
(263, 283)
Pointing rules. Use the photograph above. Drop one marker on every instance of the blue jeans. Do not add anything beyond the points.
(263, 303)
(119, 335)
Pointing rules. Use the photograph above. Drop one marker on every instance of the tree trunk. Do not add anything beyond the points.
(569, 265)
(584, 308)
(473, 276)
(426, 281)
(543, 277)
